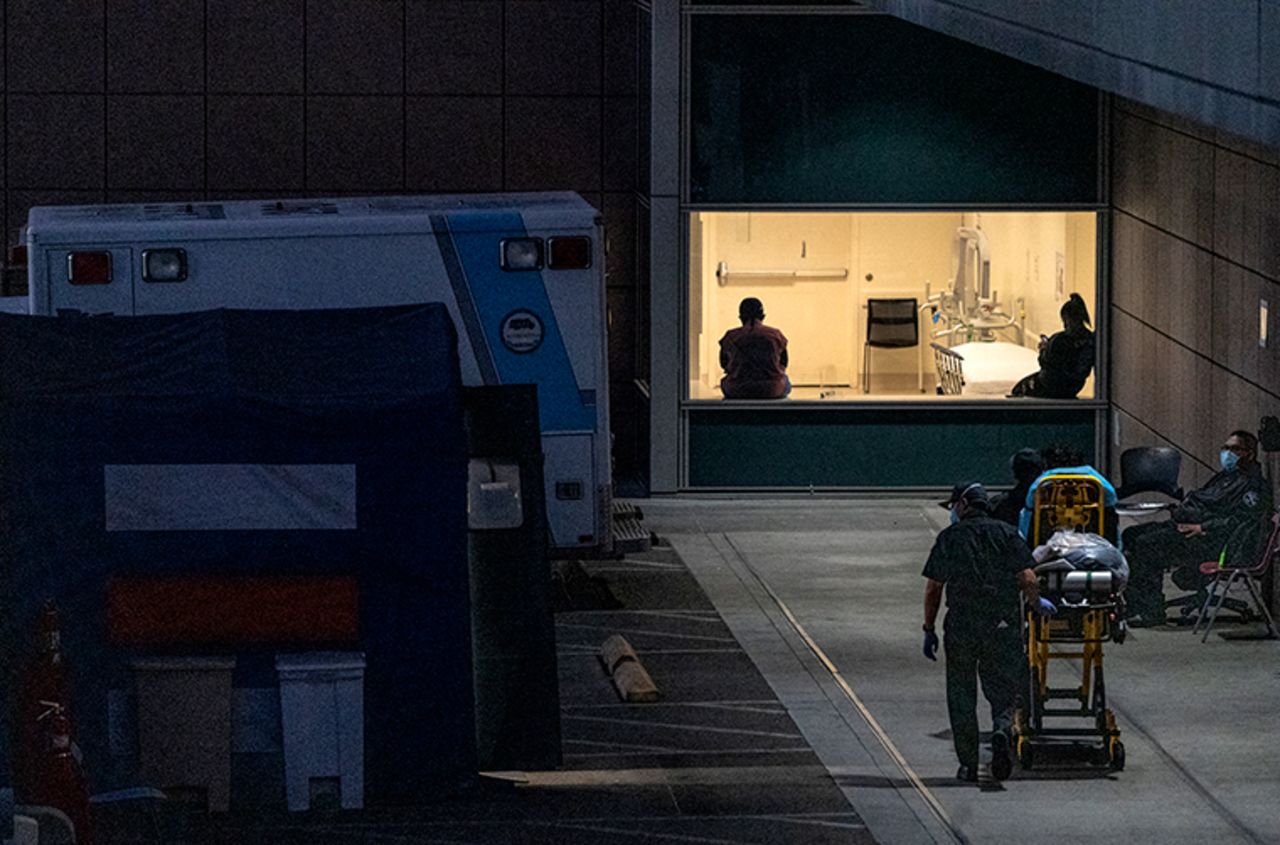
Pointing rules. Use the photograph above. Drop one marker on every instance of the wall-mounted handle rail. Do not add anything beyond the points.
(724, 274)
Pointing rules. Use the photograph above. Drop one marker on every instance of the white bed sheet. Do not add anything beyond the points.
(992, 369)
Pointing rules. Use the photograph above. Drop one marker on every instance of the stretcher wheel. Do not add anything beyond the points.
(1117, 755)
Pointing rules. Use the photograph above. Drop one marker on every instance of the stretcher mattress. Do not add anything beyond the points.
(993, 368)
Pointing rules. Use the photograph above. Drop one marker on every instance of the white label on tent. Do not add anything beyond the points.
(230, 497)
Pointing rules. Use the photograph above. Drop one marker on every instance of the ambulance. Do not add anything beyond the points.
(522, 276)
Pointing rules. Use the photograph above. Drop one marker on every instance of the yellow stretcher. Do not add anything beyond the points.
(1088, 616)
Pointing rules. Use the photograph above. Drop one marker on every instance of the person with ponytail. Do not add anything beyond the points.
(1066, 359)
(754, 357)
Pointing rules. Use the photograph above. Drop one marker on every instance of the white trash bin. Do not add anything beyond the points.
(184, 725)
(322, 714)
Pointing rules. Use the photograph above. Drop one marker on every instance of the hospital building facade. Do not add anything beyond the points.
(969, 163)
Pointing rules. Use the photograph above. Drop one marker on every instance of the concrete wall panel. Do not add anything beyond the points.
(254, 47)
(453, 143)
(1246, 219)
(454, 47)
(1163, 176)
(55, 46)
(155, 46)
(1269, 58)
(155, 142)
(1186, 364)
(553, 47)
(181, 100)
(1164, 279)
(1045, 15)
(1213, 62)
(1216, 42)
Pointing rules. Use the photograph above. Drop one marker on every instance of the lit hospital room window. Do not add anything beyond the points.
(893, 305)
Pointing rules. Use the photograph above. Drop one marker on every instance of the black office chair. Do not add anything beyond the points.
(1148, 469)
(891, 324)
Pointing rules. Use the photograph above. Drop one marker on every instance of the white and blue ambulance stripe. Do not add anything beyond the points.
(486, 294)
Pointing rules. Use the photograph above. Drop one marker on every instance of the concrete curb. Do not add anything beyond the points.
(629, 676)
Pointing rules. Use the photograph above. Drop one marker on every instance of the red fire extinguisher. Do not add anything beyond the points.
(46, 770)
(59, 780)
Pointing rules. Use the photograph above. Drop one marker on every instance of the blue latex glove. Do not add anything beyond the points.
(931, 645)
(1046, 608)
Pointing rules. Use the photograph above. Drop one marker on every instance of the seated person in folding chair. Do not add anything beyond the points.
(754, 357)
(1198, 531)
(1066, 359)
(1064, 460)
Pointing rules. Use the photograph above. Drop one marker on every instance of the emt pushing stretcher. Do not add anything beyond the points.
(983, 565)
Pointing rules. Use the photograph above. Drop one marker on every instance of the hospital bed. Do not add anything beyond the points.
(1089, 615)
(983, 368)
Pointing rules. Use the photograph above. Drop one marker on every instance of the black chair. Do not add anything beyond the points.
(1155, 469)
(891, 324)
(1148, 469)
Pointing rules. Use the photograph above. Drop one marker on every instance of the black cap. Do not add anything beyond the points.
(967, 492)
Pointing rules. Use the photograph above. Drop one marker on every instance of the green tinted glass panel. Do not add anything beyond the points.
(871, 109)
(925, 448)
(851, 4)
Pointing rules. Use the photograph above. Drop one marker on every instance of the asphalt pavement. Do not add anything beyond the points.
(833, 586)
(784, 636)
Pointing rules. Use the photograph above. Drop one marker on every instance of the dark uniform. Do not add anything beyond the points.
(1065, 363)
(978, 559)
(1233, 499)
(1007, 507)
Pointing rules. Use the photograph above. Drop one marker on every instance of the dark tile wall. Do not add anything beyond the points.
(1196, 223)
(142, 100)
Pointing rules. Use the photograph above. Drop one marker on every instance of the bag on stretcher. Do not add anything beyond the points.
(1085, 553)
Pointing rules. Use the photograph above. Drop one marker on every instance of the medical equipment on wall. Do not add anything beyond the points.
(969, 309)
(970, 269)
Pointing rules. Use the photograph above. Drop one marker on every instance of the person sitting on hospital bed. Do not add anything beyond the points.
(1066, 359)
(754, 357)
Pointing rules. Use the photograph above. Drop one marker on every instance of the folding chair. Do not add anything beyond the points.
(1225, 577)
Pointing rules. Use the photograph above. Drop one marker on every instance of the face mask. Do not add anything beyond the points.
(1228, 460)
(955, 517)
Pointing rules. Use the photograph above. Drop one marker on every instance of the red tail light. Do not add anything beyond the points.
(569, 253)
(89, 268)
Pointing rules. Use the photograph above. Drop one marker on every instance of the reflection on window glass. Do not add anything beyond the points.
(936, 305)
(873, 109)
(853, 4)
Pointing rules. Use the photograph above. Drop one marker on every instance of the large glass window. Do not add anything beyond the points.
(870, 109)
(975, 291)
